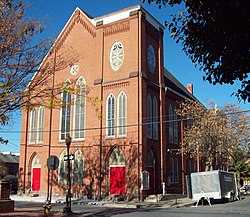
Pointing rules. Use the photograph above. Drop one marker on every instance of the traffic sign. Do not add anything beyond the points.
(52, 162)
(71, 157)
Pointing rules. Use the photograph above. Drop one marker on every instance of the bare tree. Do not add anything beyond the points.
(27, 67)
(214, 134)
(20, 56)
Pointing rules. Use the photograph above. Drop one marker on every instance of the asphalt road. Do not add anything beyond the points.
(235, 209)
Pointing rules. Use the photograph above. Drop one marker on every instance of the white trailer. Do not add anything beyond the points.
(214, 184)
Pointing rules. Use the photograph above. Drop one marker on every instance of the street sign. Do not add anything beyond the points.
(52, 162)
(71, 157)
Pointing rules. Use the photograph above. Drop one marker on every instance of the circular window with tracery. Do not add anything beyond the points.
(116, 56)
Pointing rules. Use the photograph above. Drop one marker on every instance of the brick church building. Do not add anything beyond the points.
(130, 147)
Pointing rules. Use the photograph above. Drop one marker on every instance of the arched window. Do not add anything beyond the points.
(33, 126)
(110, 115)
(80, 108)
(155, 118)
(121, 114)
(77, 169)
(40, 126)
(150, 159)
(149, 117)
(171, 177)
(176, 171)
(117, 158)
(170, 124)
(65, 112)
(175, 127)
(62, 170)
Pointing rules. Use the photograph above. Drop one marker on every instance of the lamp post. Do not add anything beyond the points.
(67, 208)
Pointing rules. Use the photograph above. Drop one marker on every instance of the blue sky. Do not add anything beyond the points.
(55, 13)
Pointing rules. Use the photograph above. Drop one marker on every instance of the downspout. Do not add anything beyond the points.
(139, 101)
(161, 104)
(26, 141)
(50, 118)
(182, 160)
(101, 124)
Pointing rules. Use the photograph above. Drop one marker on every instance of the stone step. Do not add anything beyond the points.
(159, 197)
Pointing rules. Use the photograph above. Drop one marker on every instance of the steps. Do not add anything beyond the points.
(155, 198)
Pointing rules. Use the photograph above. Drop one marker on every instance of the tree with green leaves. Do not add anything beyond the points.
(215, 35)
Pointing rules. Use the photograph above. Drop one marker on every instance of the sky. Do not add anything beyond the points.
(54, 14)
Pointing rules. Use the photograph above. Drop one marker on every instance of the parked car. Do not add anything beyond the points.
(13, 180)
(13, 185)
(245, 189)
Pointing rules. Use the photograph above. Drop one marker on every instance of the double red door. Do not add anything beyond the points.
(117, 180)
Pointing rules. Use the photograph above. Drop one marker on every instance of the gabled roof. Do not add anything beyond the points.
(106, 19)
(9, 158)
(172, 84)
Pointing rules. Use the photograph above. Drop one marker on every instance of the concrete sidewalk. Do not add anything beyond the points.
(179, 202)
(175, 203)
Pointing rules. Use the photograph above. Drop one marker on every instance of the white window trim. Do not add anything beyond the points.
(35, 127)
(125, 124)
(38, 125)
(170, 125)
(61, 158)
(175, 128)
(63, 140)
(111, 136)
(79, 139)
(149, 117)
(155, 119)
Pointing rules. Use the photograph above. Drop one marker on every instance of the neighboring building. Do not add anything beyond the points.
(121, 61)
(9, 164)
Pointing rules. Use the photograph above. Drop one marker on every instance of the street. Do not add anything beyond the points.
(235, 209)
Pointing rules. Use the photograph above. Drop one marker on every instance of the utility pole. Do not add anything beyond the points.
(67, 208)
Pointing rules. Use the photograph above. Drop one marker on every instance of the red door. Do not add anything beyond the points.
(117, 180)
(151, 179)
(36, 174)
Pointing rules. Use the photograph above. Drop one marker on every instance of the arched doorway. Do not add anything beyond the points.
(117, 173)
(151, 170)
(36, 173)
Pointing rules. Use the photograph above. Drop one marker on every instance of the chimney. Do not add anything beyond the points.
(190, 88)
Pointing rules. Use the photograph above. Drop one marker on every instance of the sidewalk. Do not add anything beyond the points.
(180, 202)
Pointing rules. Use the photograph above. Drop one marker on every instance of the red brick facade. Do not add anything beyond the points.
(92, 40)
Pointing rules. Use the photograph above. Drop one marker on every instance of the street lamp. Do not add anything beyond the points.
(67, 208)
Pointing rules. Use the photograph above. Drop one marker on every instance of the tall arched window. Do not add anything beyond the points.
(155, 118)
(121, 114)
(36, 173)
(170, 124)
(65, 112)
(110, 115)
(80, 108)
(40, 126)
(149, 117)
(176, 171)
(77, 169)
(33, 126)
(175, 127)
(62, 170)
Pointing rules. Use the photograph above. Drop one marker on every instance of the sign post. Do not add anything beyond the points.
(67, 208)
(52, 164)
